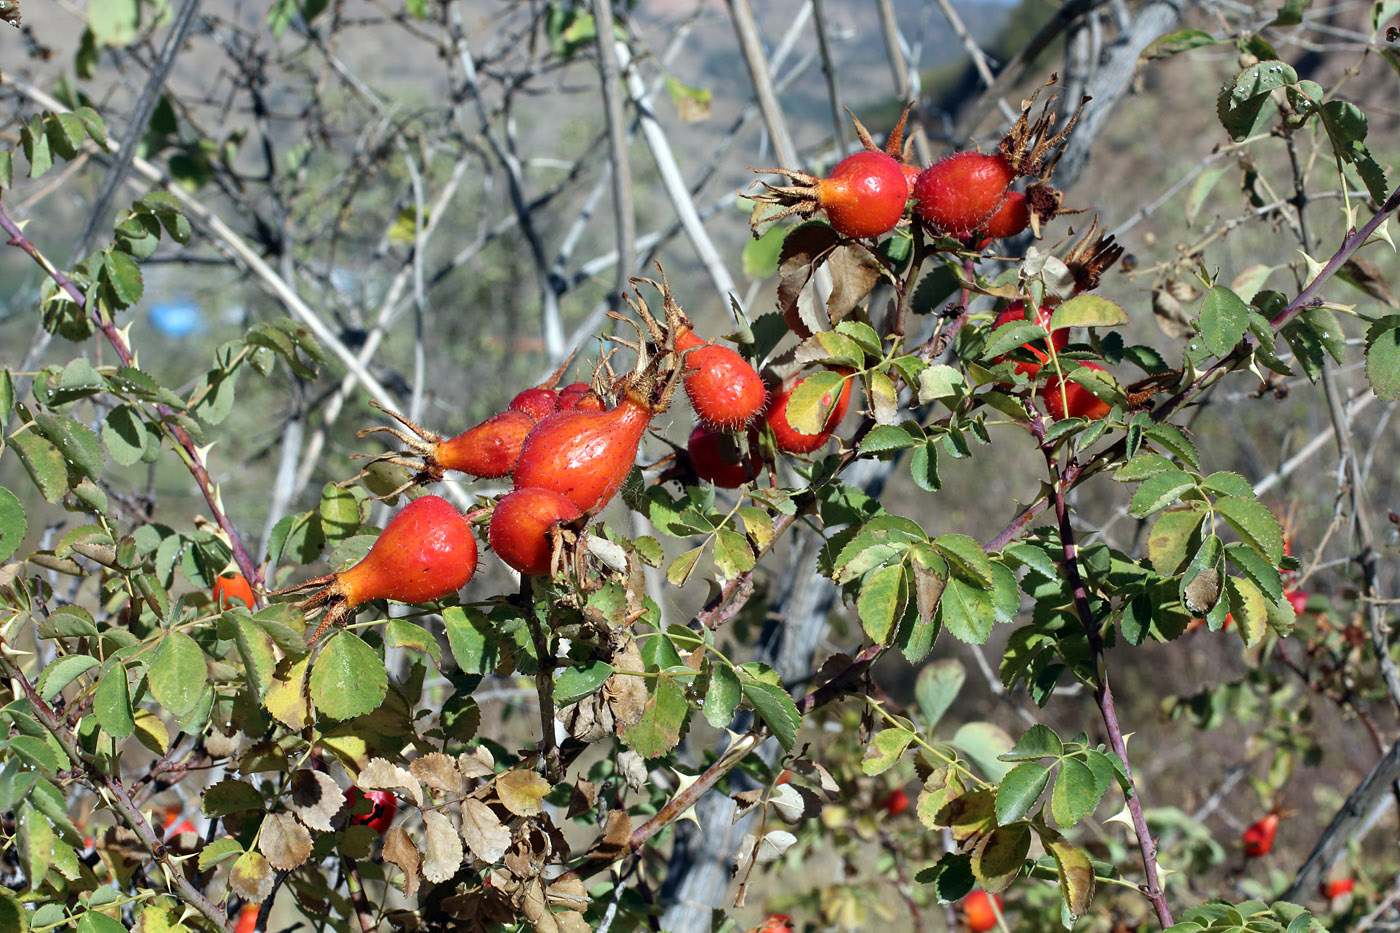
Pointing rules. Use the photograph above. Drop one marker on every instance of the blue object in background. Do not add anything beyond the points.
(177, 318)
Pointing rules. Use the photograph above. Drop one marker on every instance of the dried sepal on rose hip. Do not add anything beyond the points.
(426, 552)
(864, 196)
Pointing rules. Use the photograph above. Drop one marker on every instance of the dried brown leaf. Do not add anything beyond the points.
(626, 693)
(854, 272)
(381, 775)
(285, 842)
(439, 772)
(251, 877)
(442, 847)
(478, 763)
(399, 850)
(633, 769)
(315, 798)
(482, 830)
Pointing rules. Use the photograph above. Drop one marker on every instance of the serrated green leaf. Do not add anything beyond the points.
(1383, 357)
(1168, 543)
(13, 523)
(124, 434)
(1088, 310)
(1143, 466)
(1160, 491)
(1256, 525)
(61, 672)
(1008, 337)
(1000, 856)
(472, 638)
(178, 673)
(966, 557)
(723, 696)
(1076, 873)
(1019, 791)
(884, 750)
(659, 729)
(1075, 795)
(123, 275)
(812, 400)
(984, 743)
(44, 464)
(348, 679)
(1224, 320)
(111, 703)
(1039, 741)
(966, 611)
(575, 683)
(775, 707)
(77, 442)
(941, 381)
(218, 852)
(1249, 608)
(882, 596)
(1259, 570)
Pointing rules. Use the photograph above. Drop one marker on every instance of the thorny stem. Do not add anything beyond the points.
(191, 455)
(111, 787)
(1103, 693)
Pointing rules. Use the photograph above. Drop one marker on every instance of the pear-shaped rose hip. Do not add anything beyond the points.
(790, 439)
(426, 552)
(584, 455)
(723, 388)
(521, 528)
(488, 450)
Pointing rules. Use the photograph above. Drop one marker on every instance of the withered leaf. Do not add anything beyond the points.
(482, 830)
(569, 893)
(1167, 308)
(804, 249)
(626, 693)
(439, 772)
(478, 763)
(251, 877)
(522, 792)
(582, 799)
(381, 775)
(1367, 276)
(285, 842)
(315, 798)
(754, 850)
(617, 835)
(633, 769)
(399, 850)
(442, 847)
(854, 272)
(287, 698)
(1203, 592)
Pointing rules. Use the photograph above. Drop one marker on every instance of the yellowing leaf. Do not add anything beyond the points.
(522, 792)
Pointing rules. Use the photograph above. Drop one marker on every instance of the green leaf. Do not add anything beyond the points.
(775, 707)
(659, 729)
(811, 401)
(68, 622)
(1088, 311)
(77, 442)
(575, 683)
(1075, 795)
(882, 596)
(1259, 570)
(951, 878)
(942, 381)
(1173, 43)
(1160, 491)
(1204, 183)
(1383, 357)
(111, 703)
(36, 841)
(1019, 791)
(35, 143)
(1143, 466)
(7, 169)
(1001, 855)
(1290, 14)
(13, 523)
(472, 638)
(1256, 525)
(124, 434)
(115, 22)
(218, 852)
(1008, 337)
(44, 464)
(923, 468)
(682, 567)
(760, 255)
(178, 673)
(1224, 320)
(1175, 441)
(937, 686)
(1039, 741)
(348, 679)
(123, 275)
(722, 697)
(340, 513)
(13, 916)
(887, 437)
(1168, 545)
(884, 750)
(61, 672)
(229, 796)
(966, 557)
(401, 633)
(967, 611)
